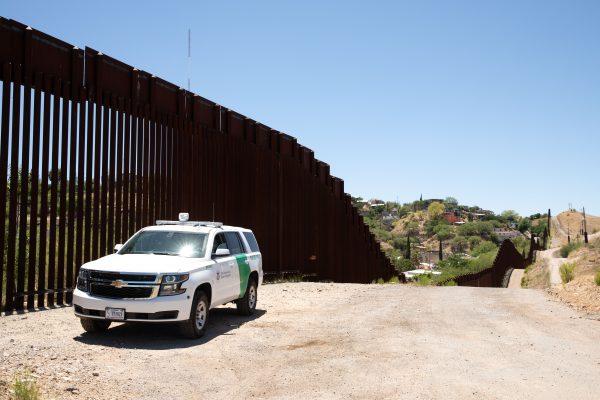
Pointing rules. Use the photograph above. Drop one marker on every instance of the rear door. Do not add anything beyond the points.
(241, 271)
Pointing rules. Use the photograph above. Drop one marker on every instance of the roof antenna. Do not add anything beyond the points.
(213, 214)
(189, 63)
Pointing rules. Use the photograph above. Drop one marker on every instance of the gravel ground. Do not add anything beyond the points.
(318, 340)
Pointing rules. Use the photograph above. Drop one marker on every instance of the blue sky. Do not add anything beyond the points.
(494, 103)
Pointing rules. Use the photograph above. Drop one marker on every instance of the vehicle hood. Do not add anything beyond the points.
(146, 263)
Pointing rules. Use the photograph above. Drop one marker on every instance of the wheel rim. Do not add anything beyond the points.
(252, 297)
(200, 315)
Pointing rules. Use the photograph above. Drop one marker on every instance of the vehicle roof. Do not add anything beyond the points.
(194, 229)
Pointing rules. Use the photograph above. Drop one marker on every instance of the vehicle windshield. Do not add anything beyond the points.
(168, 243)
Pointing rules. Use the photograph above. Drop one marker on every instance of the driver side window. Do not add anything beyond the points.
(219, 243)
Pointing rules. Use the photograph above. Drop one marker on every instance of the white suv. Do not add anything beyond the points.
(173, 271)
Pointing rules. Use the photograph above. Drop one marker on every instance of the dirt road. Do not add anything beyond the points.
(554, 261)
(317, 340)
(515, 279)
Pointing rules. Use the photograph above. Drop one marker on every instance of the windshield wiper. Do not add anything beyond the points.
(162, 253)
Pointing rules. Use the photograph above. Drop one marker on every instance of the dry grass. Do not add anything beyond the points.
(25, 388)
(537, 276)
(567, 272)
(582, 292)
(572, 220)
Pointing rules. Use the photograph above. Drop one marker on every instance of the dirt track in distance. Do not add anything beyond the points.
(317, 340)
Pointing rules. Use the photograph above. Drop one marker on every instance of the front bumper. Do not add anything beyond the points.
(158, 309)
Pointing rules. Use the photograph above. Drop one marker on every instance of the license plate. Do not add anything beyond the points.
(115, 313)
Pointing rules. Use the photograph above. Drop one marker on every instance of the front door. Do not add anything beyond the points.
(224, 268)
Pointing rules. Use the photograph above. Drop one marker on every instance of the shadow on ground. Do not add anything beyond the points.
(165, 336)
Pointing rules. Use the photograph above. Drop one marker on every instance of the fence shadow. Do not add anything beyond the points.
(165, 336)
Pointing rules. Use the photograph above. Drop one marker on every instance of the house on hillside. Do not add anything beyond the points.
(475, 216)
(506, 233)
(427, 255)
(376, 203)
(452, 217)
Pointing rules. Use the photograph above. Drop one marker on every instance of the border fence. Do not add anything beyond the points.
(507, 259)
(92, 149)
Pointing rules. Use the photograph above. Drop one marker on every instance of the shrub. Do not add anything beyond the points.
(24, 388)
(474, 241)
(566, 272)
(569, 248)
(424, 280)
(403, 264)
(483, 247)
(597, 278)
(450, 283)
(484, 261)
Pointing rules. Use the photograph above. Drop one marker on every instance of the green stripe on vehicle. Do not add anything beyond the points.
(244, 268)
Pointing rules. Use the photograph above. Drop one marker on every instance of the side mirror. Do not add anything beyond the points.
(118, 247)
(221, 253)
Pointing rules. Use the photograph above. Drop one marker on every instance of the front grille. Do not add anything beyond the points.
(113, 276)
(126, 292)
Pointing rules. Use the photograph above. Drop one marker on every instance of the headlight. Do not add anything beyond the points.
(171, 284)
(82, 280)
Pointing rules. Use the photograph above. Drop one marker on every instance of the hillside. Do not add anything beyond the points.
(580, 286)
(583, 290)
(443, 236)
(570, 223)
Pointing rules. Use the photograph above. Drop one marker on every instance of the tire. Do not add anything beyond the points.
(195, 327)
(247, 304)
(94, 325)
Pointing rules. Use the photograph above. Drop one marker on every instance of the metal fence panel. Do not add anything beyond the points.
(87, 163)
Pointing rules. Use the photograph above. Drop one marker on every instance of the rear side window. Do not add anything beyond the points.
(251, 242)
(234, 243)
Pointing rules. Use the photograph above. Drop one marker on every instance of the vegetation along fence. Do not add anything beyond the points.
(507, 259)
(92, 149)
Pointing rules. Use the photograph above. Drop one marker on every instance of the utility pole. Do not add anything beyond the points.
(585, 234)
(549, 220)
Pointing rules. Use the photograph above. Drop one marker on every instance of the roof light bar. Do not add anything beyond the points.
(184, 219)
(190, 223)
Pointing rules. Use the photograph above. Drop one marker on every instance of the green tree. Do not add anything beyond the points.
(411, 228)
(524, 225)
(435, 210)
(459, 244)
(443, 233)
(477, 228)
(510, 215)
(451, 202)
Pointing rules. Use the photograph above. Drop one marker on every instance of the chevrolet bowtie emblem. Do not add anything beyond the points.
(118, 283)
